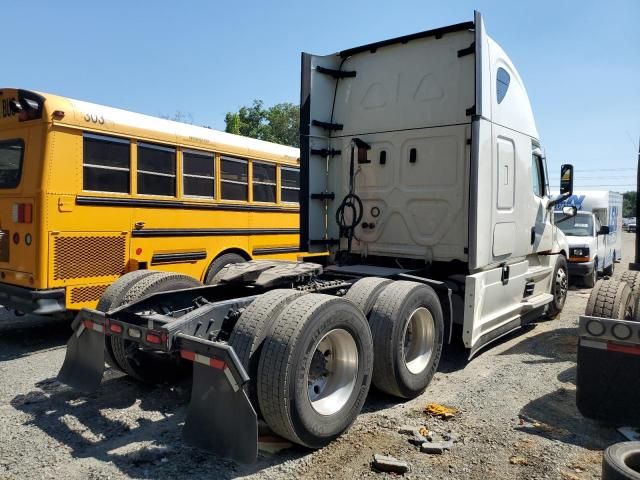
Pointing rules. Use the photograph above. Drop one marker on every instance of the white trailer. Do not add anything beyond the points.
(423, 193)
(594, 234)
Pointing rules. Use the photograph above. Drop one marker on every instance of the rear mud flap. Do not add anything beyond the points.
(83, 365)
(220, 418)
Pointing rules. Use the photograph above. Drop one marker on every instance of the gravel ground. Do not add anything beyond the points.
(517, 420)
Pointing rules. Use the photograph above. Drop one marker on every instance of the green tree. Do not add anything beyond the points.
(629, 204)
(279, 123)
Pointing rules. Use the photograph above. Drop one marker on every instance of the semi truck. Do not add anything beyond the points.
(425, 218)
(594, 234)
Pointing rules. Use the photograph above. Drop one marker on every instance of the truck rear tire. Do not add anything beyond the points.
(315, 369)
(366, 291)
(610, 299)
(145, 365)
(408, 330)
(559, 287)
(108, 301)
(632, 278)
(251, 329)
(621, 461)
(219, 263)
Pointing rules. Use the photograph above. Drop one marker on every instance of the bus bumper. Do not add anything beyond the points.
(27, 300)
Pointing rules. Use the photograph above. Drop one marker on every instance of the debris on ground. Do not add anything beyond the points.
(384, 463)
(518, 460)
(440, 411)
(437, 448)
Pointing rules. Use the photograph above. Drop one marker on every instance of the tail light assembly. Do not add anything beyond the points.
(22, 213)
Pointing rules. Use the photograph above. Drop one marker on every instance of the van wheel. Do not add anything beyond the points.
(251, 329)
(219, 263)
(610, 299)
(147, 365)
(559, 287)
(591, 279)
(109, 300)
(315, 369)
(365, 292)
(408, 331)
(608, 271)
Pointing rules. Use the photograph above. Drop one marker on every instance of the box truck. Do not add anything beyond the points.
(594, 234)
(425, 210)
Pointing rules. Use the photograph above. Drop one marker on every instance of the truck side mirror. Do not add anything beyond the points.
(566, 179)
(604, 230)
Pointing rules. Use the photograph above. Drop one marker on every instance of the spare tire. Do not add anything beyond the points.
(610, 299)
(621, 461)
(365, 292)
(315, 369)
(147, 365)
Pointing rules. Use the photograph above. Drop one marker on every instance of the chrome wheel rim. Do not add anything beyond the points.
(332, 372)
(562, 285)
(418, 340)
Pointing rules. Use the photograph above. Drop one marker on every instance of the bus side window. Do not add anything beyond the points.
(234, 181)
(156, 170)
(264, 182)
(105, 164)
(198, 174)
(290, 185)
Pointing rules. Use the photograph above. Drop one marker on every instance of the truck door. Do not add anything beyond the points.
(541, 231)
(600, 243)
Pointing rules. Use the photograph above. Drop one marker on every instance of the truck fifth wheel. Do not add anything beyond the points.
(424, 196)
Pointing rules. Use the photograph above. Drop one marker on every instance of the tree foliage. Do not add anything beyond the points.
(629, 204)
(279, 123)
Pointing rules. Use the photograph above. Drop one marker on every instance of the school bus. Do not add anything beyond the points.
(89, 192)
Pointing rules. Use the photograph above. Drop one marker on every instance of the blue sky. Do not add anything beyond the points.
(580, 60)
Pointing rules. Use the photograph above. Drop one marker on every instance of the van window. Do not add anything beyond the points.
(11, 153)
(502, 84)
(579, 226)
(537, 173)
(156, 170)
(290, 190)
(198, 174)
(105, 164)
(264, 182)
(234, 179)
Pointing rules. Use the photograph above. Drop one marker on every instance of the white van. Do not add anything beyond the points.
(594, 234)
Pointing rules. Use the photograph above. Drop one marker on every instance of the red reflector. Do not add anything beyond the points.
(215, 363)
(187, 355)
(153, 338)
(28, 212)
(115, 328)
(630, 349)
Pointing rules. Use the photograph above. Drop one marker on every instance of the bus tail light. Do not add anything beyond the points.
(22, 213)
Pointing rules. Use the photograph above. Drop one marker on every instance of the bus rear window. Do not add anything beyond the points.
(11, 154)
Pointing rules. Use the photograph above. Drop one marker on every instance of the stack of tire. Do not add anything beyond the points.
(618, 300)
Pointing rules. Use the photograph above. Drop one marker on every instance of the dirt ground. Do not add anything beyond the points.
(517, 420)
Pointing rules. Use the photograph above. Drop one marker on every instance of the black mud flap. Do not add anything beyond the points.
(220, 418)
(83, 365)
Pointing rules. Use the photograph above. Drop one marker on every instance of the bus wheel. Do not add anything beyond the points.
(249, 333)
(111, 298)
(365, 292)
(408, 331)
(219, 263)
(145, 365)
(315, 369)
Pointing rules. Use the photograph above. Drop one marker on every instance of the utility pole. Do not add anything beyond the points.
(636, 264)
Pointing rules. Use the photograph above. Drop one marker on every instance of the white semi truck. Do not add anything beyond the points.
(424, 205)
(594, 234)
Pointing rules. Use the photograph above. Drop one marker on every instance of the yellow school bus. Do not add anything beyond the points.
(89, 192)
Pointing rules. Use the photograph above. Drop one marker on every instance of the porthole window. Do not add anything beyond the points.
(502, 84)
